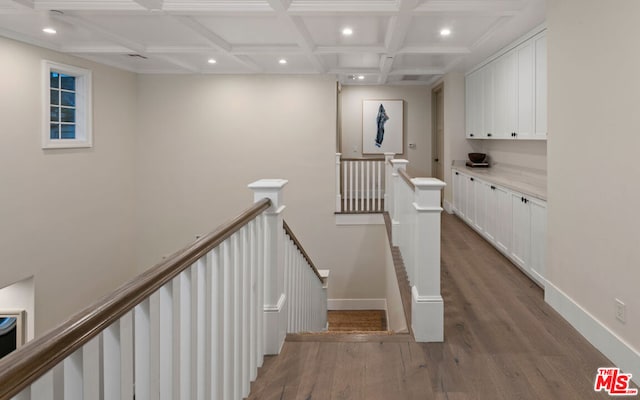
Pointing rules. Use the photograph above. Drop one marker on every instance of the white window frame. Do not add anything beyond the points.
(84, 131)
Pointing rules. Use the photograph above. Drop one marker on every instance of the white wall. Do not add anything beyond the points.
(529, 154)
(417, 122)
(67, 215)
(202, 139)
(593, 214)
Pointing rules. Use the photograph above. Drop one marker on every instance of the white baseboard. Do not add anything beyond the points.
(359, 219)
(448, 207)
(613, 347)
(357, 304)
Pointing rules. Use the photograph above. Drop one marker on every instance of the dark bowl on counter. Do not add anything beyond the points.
(477, 157)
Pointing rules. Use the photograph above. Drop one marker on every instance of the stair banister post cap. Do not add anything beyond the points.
(428, 183)
(399, 161)
(271, 189)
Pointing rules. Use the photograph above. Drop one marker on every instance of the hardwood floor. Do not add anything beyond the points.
(502, 341)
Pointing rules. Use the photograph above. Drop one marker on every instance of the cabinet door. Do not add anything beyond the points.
(521, 233)
(491, 212)
(480, 220)
(455, 178)
(503, 219)
(470, 211)
(537, 258)
(460, 196)
(541, 86)
(526, 87)
(506, 94)
(474, 111)
(488, 100)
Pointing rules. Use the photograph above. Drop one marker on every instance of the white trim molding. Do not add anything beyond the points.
(427, 317)
(599, 335)
(448, 207)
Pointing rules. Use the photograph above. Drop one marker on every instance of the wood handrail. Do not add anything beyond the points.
(22, 367)
(407, 178)
(293, 237)
(361, 159)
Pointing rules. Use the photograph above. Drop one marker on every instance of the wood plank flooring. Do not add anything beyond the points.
(502, 341)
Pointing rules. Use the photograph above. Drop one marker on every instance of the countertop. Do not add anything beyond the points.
(526, 181)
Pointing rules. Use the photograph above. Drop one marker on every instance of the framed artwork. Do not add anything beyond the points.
(12, 331)
(382, 126)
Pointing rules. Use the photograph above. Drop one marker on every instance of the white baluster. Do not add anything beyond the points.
(237, 316)
(379, 167)
(362, 165)
(73, 376)
(141, 350)
(43, 387)
(111, 365)
(260, 289)
(246, 297)
(126, 356)
(338, 199)
(182, 335)
(214, 293)
(253, 316)
(227, 381)
(351, 179)
(345, 194)
(91, 369)
(25, 394)
(198, 329)
(165, 342)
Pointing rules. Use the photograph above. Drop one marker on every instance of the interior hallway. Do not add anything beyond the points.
(502, 341)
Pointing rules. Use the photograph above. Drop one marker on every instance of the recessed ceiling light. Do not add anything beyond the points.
(212, 61)
(282, 61)
(347, 31)
(49, 30)
(445, 32)
(360, 77)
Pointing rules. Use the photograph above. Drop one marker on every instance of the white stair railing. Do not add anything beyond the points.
(305, 288)
(193, 327)
(360, 185)
(414, 208)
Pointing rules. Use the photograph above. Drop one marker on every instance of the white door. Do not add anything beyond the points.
(503, 219)
(538, 240)
(521, 231)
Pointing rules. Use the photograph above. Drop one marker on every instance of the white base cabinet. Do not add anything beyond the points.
(512, 222)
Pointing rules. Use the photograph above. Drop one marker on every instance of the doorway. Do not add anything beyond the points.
(438, 129)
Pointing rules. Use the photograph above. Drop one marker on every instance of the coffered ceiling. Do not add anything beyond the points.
(393, 41)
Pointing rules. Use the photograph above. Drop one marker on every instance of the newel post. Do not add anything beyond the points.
(275, 300)
(338, 197)
(388, 183)
(394, 208)
(427, 308)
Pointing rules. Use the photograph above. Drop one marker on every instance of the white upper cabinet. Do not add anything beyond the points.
(474, 105)
(541, 86)
(507, 97)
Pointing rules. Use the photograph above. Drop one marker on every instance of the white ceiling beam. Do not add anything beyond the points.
(396, 34)
(350, 49)
(434, 50)
(354, 71)
(331, 7)
(130, 44)
(89, 5)
(485, 7)
(101, 49)
(417, 71)
(268, 49)
(216, 41)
